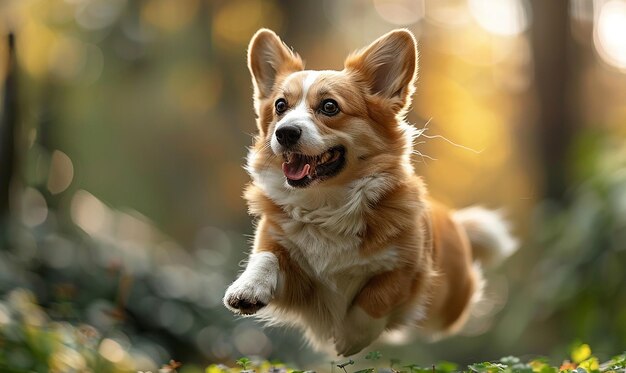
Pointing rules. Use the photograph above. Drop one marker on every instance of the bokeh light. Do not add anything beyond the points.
(400, 12)
(61, 172)
(501, 17)
(34, 207)
(610, 33)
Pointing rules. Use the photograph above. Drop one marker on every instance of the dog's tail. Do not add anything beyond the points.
(489, 234)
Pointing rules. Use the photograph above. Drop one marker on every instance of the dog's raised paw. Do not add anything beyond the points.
(244, 306)
(247, 297)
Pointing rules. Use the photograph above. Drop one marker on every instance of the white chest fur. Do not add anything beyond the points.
(324, 253)
(323, 229)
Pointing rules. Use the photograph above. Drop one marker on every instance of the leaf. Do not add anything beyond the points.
(366, 370)
(413, 368)
(540, 366)
(581, 353)
(373, 355)
(618, 362)
(549, 369)
(590, 365)
(487, 367)
(446, 367)
(243, 362)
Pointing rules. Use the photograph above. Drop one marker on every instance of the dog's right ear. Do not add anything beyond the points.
(388, 68)
(268, 57)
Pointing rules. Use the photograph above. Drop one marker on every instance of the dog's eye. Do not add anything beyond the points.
(280, 105)
(329, 107)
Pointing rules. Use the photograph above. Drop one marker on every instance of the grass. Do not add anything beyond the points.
(581, 360)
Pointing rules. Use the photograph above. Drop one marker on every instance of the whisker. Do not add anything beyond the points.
(419, 133)
(453, 143)
(422, 132)
(424, 156)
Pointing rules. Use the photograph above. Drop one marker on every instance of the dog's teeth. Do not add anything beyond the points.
(325, 157)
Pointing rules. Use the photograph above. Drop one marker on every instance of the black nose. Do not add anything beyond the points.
(288, 135)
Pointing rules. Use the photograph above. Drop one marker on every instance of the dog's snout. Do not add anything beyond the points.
(288, 135)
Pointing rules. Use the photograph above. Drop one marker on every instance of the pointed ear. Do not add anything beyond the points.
(388, 68)
(268, 57)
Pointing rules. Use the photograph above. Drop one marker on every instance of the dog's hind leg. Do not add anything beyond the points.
(369, 314)
(358, 331)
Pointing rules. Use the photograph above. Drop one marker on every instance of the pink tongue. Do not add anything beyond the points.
(295, 170)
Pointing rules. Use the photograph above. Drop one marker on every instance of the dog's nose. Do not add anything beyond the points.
(288, 135)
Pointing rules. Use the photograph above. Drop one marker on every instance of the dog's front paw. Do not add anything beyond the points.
(247, 297)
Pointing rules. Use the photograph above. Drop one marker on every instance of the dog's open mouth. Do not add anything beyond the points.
(301, 169)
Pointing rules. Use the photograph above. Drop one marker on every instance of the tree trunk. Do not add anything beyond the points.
(552, 42)
(8, 125)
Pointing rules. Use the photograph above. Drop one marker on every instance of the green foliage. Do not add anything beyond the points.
(446, 367)
(244, 363)
(487, 367)
(579, 251)
(580, 353)
(507, 364)
(30, 341)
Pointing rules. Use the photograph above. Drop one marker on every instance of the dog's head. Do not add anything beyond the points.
(331, 127)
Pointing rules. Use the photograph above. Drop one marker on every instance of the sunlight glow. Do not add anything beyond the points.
(610, 33)
(500, 17)
(400, 12)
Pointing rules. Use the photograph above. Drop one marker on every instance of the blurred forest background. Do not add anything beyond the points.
(124, 125)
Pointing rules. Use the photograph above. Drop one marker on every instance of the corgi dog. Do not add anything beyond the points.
(348, 244)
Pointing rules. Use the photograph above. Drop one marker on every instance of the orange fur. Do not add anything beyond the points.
(367, 247)
(452, 292)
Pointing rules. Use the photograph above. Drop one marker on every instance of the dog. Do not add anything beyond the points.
(348, 244)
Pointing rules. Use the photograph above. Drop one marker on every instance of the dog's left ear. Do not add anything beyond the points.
(388, 68)
(269, 57)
